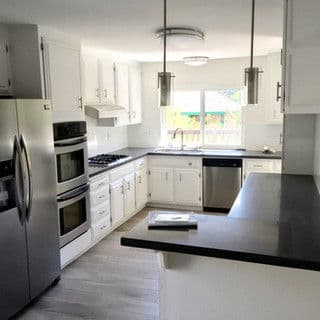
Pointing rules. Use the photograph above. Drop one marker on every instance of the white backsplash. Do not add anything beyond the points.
(105, 139)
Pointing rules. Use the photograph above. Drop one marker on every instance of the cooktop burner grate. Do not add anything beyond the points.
(105, 160)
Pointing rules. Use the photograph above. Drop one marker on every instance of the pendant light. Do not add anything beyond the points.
(251, 81)
(164, 78)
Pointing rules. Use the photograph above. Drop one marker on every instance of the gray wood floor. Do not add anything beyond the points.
(108, 282)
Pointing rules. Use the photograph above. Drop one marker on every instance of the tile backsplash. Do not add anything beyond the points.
(105, 139)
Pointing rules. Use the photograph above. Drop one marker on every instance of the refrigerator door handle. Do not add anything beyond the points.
(17, 156)
(30, 186)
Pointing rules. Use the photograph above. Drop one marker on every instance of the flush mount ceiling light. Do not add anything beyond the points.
(251, 75)
(196, 60)
(182, 37)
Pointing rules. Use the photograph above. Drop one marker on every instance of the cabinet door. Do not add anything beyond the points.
(117, 200)
(187, 189)
(107, 81)
(91, 89)
(135, 94)
(274, 87)
(161, 184)
(302, 50)
(141, 188)
(63, 81)
(129, 194)
(122, 85)
(5, 76)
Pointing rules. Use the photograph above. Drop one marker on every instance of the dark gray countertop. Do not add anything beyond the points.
(275, 220)
(136, 153)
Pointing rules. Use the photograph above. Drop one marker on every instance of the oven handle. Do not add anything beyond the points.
(70, 142)
(73, 194)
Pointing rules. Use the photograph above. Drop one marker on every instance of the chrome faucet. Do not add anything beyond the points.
(175, 134)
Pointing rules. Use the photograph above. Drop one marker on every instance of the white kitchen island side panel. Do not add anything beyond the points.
(196, 287)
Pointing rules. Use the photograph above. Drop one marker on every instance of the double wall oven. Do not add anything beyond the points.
(70, 143)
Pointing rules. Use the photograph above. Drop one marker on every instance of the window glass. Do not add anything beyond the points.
(222, 122)
(184, 114)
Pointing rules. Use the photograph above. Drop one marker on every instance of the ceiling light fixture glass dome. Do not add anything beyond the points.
(196, 60)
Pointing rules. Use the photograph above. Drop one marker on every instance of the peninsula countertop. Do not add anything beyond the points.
(275, 220)
(136, 153)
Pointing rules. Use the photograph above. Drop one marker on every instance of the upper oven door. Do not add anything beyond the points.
(72, 163)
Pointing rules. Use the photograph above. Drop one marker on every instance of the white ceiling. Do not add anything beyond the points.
(128, 25)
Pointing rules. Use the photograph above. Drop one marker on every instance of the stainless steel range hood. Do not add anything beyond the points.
(107, 115)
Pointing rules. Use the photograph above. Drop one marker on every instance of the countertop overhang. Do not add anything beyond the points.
(275, 220)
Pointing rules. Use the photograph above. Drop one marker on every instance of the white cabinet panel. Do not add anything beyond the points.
(187, 188)
(122, 85)
(117, 200)
(107, 81)
(91, 94)
(161, 184)
(129, 194)
(141, 188)
(301, 63)
(63, 81)
(261, 165)
(101, 228)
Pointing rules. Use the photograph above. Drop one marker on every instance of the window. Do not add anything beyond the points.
(211, 118)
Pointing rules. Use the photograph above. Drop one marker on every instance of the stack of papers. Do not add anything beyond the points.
(171, 220)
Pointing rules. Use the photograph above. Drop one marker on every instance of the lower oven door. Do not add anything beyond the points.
(74, 208)
(71, 159)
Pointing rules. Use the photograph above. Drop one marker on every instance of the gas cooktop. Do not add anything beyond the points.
(107, 160)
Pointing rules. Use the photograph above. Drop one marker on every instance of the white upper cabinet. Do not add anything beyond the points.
(135, 96)
(5, 74)
(107, 81)
(274, 87)
(301, 56)
(122, 85)
(62, 68)
(91, 88)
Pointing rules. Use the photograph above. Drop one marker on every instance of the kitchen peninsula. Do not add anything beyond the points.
(259, 262)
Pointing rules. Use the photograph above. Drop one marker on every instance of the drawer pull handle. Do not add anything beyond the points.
(102, 196)
(101, 212)
(258, 166)
(103, 227)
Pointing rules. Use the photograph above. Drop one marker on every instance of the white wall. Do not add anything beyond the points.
(105, 139)
(224, 73)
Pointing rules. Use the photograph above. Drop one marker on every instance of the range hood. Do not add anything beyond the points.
(106, 115)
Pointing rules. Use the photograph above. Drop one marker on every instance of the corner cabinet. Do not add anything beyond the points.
(175, 181)
(62, 78)
(301, 56)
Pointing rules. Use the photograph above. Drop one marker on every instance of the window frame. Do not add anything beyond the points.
(164, 129)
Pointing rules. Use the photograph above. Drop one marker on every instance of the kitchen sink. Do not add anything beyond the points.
(178, 151)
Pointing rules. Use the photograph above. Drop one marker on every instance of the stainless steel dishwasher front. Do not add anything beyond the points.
(221, 183)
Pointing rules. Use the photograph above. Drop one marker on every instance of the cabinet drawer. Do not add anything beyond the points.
(175, 162)
(99, 196)
(140, 164)
(101, 211)
(100, 228)
(99, 182)
(259, 165)
(121, 171)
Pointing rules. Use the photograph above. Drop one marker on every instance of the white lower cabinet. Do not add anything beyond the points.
(187, 186)
(117, 200)
(141, 188)
(101, 227)
(261, 165)
(175, 181)
(129, 194)
(161, 184)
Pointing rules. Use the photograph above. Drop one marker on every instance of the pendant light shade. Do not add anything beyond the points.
(251, 76)
(165, 78)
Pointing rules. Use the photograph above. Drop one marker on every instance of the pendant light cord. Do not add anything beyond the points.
(252, 32)
(164, 36)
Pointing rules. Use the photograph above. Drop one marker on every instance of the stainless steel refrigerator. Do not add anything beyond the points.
(29, 239)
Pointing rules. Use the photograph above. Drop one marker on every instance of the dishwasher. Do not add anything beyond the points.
(221, 183)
